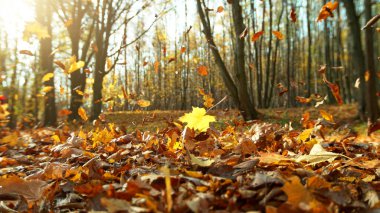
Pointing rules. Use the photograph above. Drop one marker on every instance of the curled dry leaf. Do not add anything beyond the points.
(244, 33)
(372, 21)
(26, 52)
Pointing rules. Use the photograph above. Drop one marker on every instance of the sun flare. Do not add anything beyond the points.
(13, 16)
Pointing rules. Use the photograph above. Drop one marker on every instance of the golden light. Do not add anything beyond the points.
(13, 16)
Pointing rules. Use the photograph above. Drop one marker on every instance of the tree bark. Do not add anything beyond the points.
(357, 53)
(44, 16)
(372, 103)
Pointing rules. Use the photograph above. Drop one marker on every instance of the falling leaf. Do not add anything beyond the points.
(47, 89)
(82, 113)
(220, 9)
(171, 59)
(201, 162)
(303, 100)
(197, 119)
(156, 66)
(26, 52)
(145, 63)
(366, 76)
(278, 34)
(372, 21)
(357, 83)
(75, 65)
(47, 76)
(327, 116)
(305, 135)
(64, 112)
(183, 50)
(37, 29)
(202, 70)
(143, 103)
(257, 35)
(293, 15)
(327, 10)
(244, 33)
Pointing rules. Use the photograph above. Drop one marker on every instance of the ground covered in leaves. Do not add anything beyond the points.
(322, 166)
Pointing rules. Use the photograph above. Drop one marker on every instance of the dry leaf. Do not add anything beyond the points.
(82, 113)
(278, 34)
(257, 36)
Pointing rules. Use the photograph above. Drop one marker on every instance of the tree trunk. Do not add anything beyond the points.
(357, 53)
(373, 107)
(44, 16)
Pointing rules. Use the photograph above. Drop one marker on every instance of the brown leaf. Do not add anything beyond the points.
(60, 64)
(26, 52)
(372, 21)
(293, 15)
(30, 189)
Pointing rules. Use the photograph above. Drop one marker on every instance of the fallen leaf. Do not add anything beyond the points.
(201, 162)
(317, 155)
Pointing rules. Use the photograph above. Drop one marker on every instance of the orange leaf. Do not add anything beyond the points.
(156, 66)
(257, 36)
(278, 34)
(202, 70)
(303, 100)
(220, 9)
(64, 112)
(183, 49)
(327, 10)
(82, 113)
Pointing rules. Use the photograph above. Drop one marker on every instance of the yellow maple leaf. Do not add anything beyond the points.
(197, 119)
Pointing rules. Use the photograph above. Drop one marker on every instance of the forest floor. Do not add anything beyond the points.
(150, 162)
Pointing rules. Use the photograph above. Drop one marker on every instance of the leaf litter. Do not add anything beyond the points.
(190, 167)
